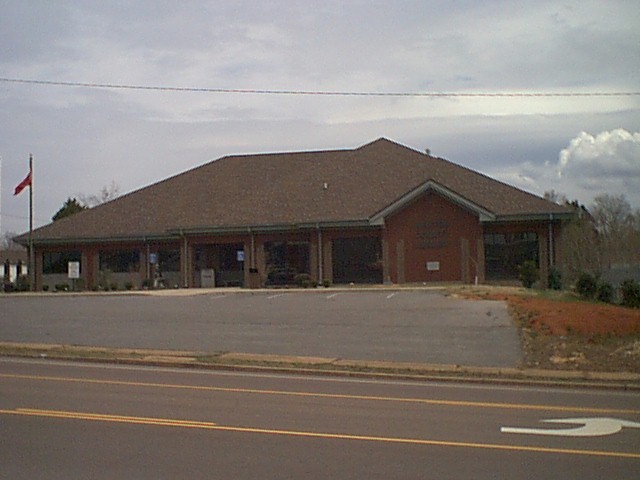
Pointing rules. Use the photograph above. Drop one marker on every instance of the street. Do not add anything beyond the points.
(395, 325)
(77, 420)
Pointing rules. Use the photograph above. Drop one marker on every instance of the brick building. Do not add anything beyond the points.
(380, 213)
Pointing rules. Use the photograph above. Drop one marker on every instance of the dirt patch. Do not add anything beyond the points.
(560, 331)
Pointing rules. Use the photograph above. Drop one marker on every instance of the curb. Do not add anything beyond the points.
(300, 365)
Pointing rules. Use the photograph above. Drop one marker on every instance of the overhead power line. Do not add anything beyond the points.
(334, 93)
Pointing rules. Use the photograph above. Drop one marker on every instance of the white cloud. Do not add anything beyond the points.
(83, 139)
(590, 165)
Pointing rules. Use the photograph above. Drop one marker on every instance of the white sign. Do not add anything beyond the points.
(74, 270)
(591, 427)
(240, 256)
(433, 266)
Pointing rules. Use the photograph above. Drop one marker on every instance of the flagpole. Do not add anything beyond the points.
(32, 270)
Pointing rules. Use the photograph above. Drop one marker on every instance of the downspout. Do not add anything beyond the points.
(253, 249)
(320, 259)
(185, 252)
(148, 269)
(550, 234)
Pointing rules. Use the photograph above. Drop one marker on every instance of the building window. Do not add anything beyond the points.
(58, 262)
(120, 261)
(169, 260)
(285, 260)
(357, 260)
(505, 252)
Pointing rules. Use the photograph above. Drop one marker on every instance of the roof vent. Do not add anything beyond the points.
(325, 186)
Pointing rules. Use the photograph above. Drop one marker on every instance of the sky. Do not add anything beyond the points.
(83, 139)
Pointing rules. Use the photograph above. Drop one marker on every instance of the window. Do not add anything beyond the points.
(120, 261)
(357, 260)
(58, 262)
(505, 252)
(285, 260)
(169, 260)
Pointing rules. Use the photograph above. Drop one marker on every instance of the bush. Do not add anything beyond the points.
(303, 280)
(326, 283)
(128, 285)
(586, 285)
(555, 279)
(114, 287)
(630, 292)
(604, 292)
(61, 287)
(528, 273)
(23, 283)
(45, 288)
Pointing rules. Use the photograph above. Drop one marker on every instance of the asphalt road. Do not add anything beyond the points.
(86, 421)
(406, 326)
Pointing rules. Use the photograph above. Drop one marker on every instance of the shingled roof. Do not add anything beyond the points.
(301, 189)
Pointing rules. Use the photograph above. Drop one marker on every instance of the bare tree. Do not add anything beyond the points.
(617, 228)
(107, 193)
(7, 243)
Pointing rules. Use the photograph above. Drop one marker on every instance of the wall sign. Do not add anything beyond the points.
(433, 266)
(433, 234)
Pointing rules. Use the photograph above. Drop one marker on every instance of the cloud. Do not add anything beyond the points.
(83, 138)
(590, 165)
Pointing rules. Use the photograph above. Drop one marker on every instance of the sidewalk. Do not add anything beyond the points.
(323, 366)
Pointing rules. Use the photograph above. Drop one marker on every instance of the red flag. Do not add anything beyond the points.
(23, 184)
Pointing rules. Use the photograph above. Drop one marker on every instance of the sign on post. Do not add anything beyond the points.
(73, 270)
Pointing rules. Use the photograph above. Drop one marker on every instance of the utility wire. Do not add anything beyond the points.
(334, 93)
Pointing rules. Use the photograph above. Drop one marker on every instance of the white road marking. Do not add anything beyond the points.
(591, 427)
(332, 295)
(275, 296)
(391, 295)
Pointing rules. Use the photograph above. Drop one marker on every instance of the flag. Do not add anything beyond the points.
(23, 184)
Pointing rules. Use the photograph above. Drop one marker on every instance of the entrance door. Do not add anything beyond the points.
(225, 259)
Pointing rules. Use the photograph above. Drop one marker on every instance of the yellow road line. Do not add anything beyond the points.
(294, 433)
(423, 401)
(168, 422)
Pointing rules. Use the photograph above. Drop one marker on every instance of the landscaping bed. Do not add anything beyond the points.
(559, 331)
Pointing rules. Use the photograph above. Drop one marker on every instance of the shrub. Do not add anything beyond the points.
(128, 285)
(303, 280)
(555, 279)
(114, 286)
(23, 283)
(45, 288)
(586, 285)
(326, 283)
(604, 292)
(630, 292)
(61, 287)
(528, 273)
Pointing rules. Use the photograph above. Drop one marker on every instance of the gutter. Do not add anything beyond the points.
(547, 216)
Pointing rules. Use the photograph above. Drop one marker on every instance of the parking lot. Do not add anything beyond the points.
(395, 325)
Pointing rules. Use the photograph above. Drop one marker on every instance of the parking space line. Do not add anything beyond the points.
(333, 295)
(275, 296)
(391, 295)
